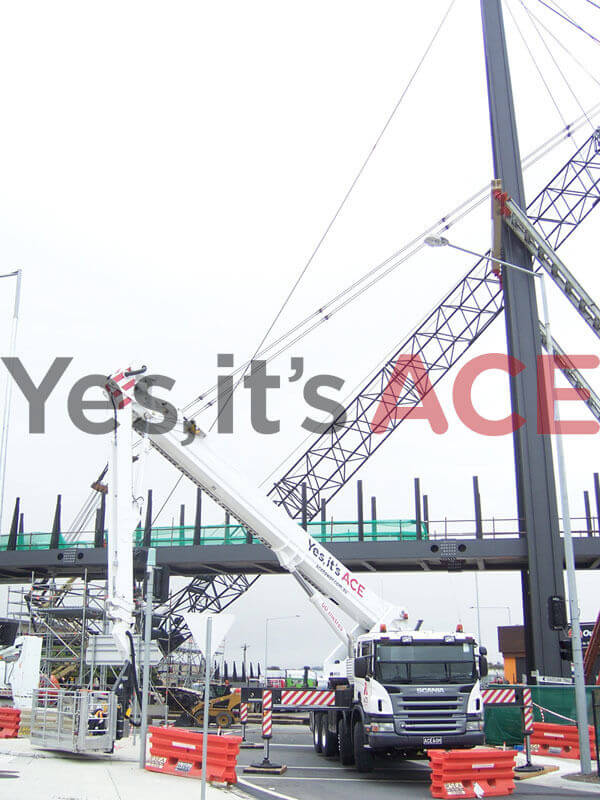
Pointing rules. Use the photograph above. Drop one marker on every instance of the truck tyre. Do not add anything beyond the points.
(317, 732)
(362, 758)
(329, 744)
(345, 744)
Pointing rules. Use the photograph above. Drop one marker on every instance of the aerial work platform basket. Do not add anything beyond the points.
(76, 722)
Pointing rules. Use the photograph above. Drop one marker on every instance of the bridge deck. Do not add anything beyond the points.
(387, 546)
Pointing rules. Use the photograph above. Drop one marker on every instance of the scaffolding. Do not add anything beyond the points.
(65, 613)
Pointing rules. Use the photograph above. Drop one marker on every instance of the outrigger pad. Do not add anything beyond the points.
(266, 768)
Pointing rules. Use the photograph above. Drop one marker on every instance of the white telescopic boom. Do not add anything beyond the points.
(296, 550)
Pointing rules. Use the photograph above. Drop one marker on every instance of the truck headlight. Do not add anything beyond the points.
(380, 727)
(474, 725)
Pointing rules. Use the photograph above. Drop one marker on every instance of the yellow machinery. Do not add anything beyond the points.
(223, 708)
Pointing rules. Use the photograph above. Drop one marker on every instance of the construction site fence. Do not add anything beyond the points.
(552, 704)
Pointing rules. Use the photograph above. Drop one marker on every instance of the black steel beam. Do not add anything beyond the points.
(198, 517)
(55, 535)
(536, 495)
(494, 553)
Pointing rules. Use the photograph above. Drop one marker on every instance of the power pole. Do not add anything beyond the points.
(244, 650)
(536, 493)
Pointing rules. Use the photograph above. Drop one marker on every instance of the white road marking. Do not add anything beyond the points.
(269, 790)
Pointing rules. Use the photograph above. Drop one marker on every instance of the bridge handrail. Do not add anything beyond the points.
(327, 532)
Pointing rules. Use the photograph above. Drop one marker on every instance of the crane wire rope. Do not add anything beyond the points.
(563, 15)
(536, 65)
(385, 267)
(563, 47)
(533, 20)
(327, 229)
(340, 206)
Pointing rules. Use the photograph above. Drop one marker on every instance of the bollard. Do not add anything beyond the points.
(246, 745)
(267, 732)
(527, 711)
(244, 719)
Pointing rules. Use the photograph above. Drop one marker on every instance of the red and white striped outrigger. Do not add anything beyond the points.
(307, 698)
(310, 699)
(300, 699)
(497, 697)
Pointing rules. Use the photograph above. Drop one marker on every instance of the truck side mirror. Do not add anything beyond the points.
(483, 666)
(361, 667)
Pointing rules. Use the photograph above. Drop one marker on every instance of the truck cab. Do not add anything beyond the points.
(410, 691)
(419, 689)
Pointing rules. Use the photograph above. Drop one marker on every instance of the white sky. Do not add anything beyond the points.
(166, 171)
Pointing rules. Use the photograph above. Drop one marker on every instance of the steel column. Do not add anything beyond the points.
(147, 537)
(418, 507)
(198, 517)
(14, 528)
(588, 514)
(55, 536)
(477, 501)
(360, 511)
(536, 495)
(597, 494)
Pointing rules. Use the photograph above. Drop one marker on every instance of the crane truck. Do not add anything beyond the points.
(406, 689)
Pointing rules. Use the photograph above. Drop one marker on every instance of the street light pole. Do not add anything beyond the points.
(8, 387)
(578, 673)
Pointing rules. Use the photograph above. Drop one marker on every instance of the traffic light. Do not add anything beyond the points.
(566, 649)
(162, 577)
(557, 613)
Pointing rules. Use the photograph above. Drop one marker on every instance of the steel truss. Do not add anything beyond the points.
(438, 344)
(440, 341)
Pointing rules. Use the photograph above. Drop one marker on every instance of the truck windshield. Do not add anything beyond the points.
(425, 663)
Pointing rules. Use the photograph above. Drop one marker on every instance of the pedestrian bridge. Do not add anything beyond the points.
(368, 546)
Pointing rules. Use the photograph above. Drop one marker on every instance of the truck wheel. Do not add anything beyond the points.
(329, 743)
(345, 744)
(317, 733)
(362, 758)
(224, 719)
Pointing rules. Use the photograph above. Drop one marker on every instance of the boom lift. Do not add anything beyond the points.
(410, 689)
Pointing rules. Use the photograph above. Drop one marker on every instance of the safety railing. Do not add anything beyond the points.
(331, 531)
(184, 535)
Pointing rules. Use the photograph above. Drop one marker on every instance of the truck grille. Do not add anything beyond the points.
(419, 715)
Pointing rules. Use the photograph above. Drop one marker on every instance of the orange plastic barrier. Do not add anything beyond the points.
(10, 719)
(562, 741)
(178, 752)
(472, 773)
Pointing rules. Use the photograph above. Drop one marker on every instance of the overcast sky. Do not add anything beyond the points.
(167, 170)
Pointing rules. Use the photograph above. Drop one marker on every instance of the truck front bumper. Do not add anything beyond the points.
(394, 741)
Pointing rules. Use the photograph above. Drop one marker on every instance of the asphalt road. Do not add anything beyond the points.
(310, 776)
